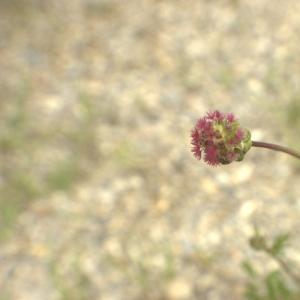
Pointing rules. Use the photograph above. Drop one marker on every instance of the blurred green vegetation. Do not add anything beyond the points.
(283, 102)
(281, 283)
(76, 288)
(292, 119)
(25, 147)
(289, 127)
(272, 286)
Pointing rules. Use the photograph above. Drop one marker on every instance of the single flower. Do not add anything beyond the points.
(220, 138)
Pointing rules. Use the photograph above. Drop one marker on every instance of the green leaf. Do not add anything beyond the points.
(271, 283)
(248, 268)
(276, 286)
(279, 244)
(252, 292)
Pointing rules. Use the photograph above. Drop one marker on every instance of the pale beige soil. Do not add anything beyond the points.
(107, 92)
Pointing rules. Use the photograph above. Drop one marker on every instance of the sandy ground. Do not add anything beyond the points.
(114, 88)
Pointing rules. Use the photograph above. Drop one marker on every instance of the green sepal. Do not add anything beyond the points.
(244, 146)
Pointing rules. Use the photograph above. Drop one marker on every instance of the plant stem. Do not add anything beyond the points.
(294, 277)
(276, 148)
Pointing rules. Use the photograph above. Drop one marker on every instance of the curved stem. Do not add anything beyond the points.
(276, 148)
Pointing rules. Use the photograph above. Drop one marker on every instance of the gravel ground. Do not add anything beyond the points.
(117, 86)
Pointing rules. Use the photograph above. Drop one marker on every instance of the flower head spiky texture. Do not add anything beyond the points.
(221, 139)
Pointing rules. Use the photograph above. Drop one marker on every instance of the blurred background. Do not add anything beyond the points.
(100, 197)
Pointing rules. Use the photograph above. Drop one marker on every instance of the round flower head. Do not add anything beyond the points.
(220, 138)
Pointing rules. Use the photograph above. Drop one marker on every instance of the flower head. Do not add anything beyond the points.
(221, 139)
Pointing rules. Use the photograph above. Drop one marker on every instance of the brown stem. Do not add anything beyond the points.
(276, 148)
